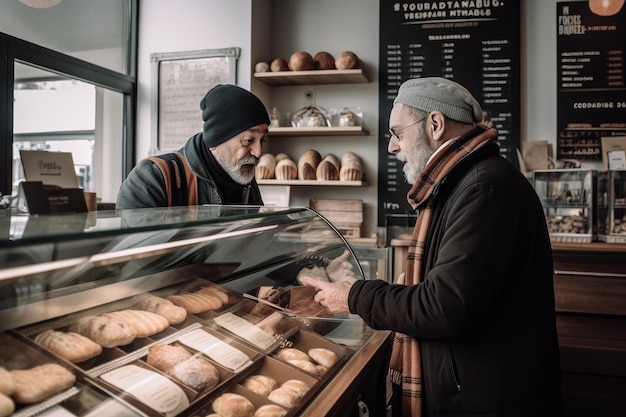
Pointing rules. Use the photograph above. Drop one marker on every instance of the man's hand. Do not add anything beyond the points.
(339, 268)
(332, 295)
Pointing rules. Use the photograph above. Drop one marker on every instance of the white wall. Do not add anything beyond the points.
(268, 28)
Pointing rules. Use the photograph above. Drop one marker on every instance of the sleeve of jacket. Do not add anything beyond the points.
(144, 187)
(476, 264)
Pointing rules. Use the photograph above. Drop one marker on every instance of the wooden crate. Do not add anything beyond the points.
(345, 215)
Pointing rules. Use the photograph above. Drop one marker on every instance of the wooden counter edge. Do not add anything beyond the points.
(329, 397)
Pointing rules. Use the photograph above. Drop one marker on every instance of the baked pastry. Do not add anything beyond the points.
(284, 397)
(260, 384)
(196, 302)
(108, 332)
(351, 168)
(71, 346)
(347, 60)
(325, 357)
(301, 61)
(287, 354)
(7, 385)
(279, 64)
(270, 410)
(296, 385)
(218, 292)
(145, 323)
(7, 406)
(233, 405)
(307, 164)
(173, 314)
(328, 168)
(280, 156)
(182, 365)
(323, 61)
(286, 169)
(266, 167)
(305, 365)
(38, 383)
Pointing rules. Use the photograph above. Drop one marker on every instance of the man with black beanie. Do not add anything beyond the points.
(215, 166)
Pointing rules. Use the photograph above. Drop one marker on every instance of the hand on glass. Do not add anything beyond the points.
(339, 268)
(332, 295)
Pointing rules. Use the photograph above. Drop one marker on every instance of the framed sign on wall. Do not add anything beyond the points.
(179, 81)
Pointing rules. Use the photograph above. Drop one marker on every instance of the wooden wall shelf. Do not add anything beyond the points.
(312, 182)
(318, 131)
(283, 78)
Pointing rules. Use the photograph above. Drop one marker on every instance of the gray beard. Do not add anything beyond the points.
(240, 177)
(420, 154)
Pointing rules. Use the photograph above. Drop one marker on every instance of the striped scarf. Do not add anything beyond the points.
(405, 368)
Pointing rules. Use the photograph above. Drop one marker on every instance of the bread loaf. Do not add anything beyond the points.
(284, 397)
(38, 383)
(351, 169)
(296, 385)
(286, 170)
(266, 167)
(307, 164)
(260, 384)
(323, 61)
(279, 64)
(301, 61)
(287, 354)
(328, 168)
(347, 60)
(325, 357)
(164, 308)
(219, 292)
(69, 345)
(233, 405)
(108, 332)
(7, 385)
(145, 323)
(280, 156)
(182, 365)
(270, 410)
(305, 365)
(7, 406)
(196, 303)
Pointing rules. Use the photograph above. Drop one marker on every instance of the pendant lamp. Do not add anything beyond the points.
(606, 7)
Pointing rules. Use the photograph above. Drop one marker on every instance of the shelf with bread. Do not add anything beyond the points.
(336, 183)
(318, 131)
(331, 76)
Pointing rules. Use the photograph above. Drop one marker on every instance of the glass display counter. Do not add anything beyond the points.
(174, 311)
(612, 216)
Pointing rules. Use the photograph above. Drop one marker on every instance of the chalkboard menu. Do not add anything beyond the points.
(475, 43)
(591, 94)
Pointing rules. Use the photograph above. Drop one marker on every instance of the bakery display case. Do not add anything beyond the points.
(178, 312)
(612, 201)
(569, 199)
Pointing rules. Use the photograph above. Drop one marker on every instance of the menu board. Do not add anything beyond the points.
(475, 43)
(591, 95)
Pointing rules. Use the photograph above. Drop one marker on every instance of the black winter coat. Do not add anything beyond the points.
(484, 312)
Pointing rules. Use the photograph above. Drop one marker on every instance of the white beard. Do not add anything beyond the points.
(420, 153)
(239, 176)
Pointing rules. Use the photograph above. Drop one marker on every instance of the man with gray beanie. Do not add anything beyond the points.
(215, 166)
(473, 314)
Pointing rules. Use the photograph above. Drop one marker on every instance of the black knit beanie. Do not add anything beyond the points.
(228, 110)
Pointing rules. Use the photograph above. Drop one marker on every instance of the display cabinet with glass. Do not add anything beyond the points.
(164, 311)
(612, 219)
(569, 199)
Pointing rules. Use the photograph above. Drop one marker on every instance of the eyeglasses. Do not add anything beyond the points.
(394, 135)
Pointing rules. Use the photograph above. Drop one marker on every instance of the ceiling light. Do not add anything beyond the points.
(606, 7)
(40, 4)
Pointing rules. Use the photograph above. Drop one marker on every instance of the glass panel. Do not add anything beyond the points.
(66, 115)
(92, 30)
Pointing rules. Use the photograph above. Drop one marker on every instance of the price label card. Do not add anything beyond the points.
(216, 349)
(154, 390)
(246, 330)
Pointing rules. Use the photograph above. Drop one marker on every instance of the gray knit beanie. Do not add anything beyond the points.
(446, 96)
(228, 110)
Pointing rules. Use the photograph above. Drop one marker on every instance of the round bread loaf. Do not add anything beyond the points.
(328, 168)
(7, 406)
(286, 169)
(7, 385)
(260, 384)
(301, 61)
(325, 357)
(323, 61)
(71, 346)
(347, 60)
(284, 397)
(179, 363)
(307, 164)
(233, 405)
(261, 67)
(278, 65)
(270, 410)
(287, 354)
(296, 385)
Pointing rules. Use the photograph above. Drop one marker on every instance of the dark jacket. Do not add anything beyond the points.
(484, 313)
(145, 185)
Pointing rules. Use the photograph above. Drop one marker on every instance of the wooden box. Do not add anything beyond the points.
(345, 215)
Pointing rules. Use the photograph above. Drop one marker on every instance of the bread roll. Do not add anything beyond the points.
(279, 64)
(266, 167)
(328, 168)
(270, 410)
(286, 169)
(325, 357)
(301, 61)
(305, 365)
(280, 156)
(233, 405)
(347, 60)
(69, 345)
(284, 397)
(219, 292)
(164, 308)
(145, 323)
(287, 354)
(307, 164)
(296, 385)
(38, 383)
(108, 332)
(7, 385)
(323, 61)
(7, 406)
(196, 303)
(260, 384)
(179, 363)
(351, 169)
